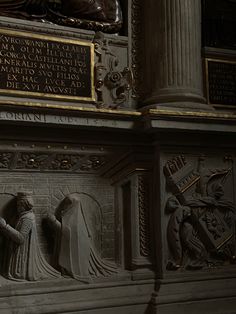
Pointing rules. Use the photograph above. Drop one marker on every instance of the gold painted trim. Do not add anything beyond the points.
(60, 40)
(226, 240)
(74, 108)
(189, 185)
(220, 60)
(196, 114)
(207, 80)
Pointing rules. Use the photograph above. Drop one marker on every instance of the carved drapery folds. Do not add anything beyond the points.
(76, 243)
(95, 15)
(68, 195)
(75, 251)
(23, 259)
(201, 224)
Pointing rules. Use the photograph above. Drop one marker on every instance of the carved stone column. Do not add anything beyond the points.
(173, 53)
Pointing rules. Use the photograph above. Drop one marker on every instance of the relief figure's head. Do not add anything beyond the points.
(24, 202)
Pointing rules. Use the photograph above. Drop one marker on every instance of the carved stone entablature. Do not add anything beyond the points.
(200, 229)
(112, 83)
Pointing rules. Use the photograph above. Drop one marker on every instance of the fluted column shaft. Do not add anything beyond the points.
(173, 52)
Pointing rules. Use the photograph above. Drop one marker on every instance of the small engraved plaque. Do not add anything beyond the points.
(38, 66)
(221, 82)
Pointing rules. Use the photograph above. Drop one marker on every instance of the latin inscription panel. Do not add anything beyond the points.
(221, 82)
(33, 65)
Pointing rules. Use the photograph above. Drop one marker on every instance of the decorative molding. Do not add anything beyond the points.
(111, 83)
(51, 161)
(189, 114)
(136, 42)
(144, 217)
(5, 160)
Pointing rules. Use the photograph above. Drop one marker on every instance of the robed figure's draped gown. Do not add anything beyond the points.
(77, 255)
(98, 10)
(26, 8)
(94, 10)
(14, 5)
(24, 259)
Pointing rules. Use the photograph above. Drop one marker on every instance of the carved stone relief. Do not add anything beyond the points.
(48, 160)
(23, 259)
(136, 48)
(28, 221)
(144, 215)
(201, 223)
(112, 83)
(100, 220)
(136, 220)
(76, 254)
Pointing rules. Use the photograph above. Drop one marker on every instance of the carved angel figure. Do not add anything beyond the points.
(24, 259)
(76, 253)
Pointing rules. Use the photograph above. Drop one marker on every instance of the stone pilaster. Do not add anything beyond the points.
(173, 53)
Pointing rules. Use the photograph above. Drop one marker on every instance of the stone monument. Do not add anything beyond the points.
(119, 118)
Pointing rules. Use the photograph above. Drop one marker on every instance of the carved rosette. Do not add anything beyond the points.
(32, 160)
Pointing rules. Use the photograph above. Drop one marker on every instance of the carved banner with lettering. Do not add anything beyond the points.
(221, 82)
(33, 65)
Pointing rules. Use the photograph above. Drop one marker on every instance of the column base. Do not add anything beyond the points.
(181, 99)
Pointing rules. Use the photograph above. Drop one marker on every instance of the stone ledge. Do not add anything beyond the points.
(67, 296)
(198, 296)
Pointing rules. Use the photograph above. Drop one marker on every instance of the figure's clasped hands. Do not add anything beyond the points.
(51, 218)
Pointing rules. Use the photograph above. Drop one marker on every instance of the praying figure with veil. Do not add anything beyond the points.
(75, 251)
